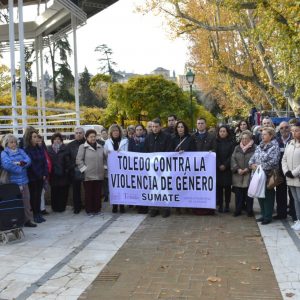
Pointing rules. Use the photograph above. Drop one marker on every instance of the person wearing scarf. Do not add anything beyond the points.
(59, 177)
(241, 173)
(115, 142)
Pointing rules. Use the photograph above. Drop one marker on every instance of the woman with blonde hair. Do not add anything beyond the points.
(267, 155)
(16, 162)
(115, 142)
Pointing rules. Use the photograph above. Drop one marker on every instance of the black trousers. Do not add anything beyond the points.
(281, 200)
(35, 190)
(292, 211)
(241, 197)
(220, 198)
(76, 187)
(59, 197)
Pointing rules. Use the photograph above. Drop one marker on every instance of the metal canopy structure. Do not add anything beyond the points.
(58, 18)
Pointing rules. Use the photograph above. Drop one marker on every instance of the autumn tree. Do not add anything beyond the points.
(245, 53)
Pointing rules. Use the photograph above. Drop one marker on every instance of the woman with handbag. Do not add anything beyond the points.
(241, 173)
(90, 161)
(267, 155)
(291, 169)
(59, 178)
(15, 161)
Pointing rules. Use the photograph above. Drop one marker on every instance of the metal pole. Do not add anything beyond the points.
(38, 82)
(22, 65)
(42, 85)
(76, 84)
(191, 96)
(12, 66)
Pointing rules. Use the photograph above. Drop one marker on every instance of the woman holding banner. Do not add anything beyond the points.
(116, 142)
(182, 140)
(137, 144)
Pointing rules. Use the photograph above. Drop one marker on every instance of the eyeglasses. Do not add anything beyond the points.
(284, 127)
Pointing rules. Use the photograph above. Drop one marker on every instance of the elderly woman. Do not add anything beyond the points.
(59, 178)
(37, 171)
(115, 142)
(291, 169)
(267, 155)
(90, 161)
(241, 173)
(225, 147)
(15, 161)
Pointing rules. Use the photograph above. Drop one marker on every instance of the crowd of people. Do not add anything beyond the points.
(34, 167)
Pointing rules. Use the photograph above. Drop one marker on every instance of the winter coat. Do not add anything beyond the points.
(9, 160)
(109, 145)
(224, 151)
(38, 168)
(135, 145)
(91, 161)
(160, 142)
(72, 150)
(267, 156)
(240, 160)
(291, 162)
(282, 146)
(187, 143)
(206, 142)
(60, 166)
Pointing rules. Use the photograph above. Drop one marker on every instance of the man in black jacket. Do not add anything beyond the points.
(72, 149)
(205, 141)
(158, 141)
(172, 119)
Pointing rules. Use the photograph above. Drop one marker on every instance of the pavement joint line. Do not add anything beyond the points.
(292, 233)
(42, 280)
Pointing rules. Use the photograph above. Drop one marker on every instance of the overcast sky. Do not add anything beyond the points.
(139, 43)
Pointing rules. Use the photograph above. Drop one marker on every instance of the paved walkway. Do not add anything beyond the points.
(189, 257)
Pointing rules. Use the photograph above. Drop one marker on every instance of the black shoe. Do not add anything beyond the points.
(122, 209)
(44, 212)
(30, 224)
(220, 210)
(226, 210)
(154, 213)
(236, 214)
(143, 210)
(76, 211)
(115, 209)
(166, 213)
(261, 219)
(278, 217)
(266, 222)
(250, 214)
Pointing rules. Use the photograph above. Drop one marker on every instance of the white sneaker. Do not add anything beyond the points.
(295, 223)
(297, 226)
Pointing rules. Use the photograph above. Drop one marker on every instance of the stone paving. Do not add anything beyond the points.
(189, 257)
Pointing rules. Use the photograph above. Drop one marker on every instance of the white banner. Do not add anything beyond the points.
(163, 179)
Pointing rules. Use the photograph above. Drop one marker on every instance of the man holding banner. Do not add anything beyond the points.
(158, 141)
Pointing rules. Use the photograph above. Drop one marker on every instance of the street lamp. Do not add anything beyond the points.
(190, 77)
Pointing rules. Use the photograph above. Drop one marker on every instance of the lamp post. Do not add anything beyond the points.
(190, 77)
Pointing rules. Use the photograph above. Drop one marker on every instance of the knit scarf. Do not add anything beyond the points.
(248, 146)
(116, 143)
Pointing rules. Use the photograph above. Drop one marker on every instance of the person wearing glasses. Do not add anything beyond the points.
(283, 137)
(72, 150)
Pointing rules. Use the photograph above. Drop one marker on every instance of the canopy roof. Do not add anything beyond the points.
(90, 7)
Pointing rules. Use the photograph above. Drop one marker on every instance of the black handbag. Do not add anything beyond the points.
(78, 175)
